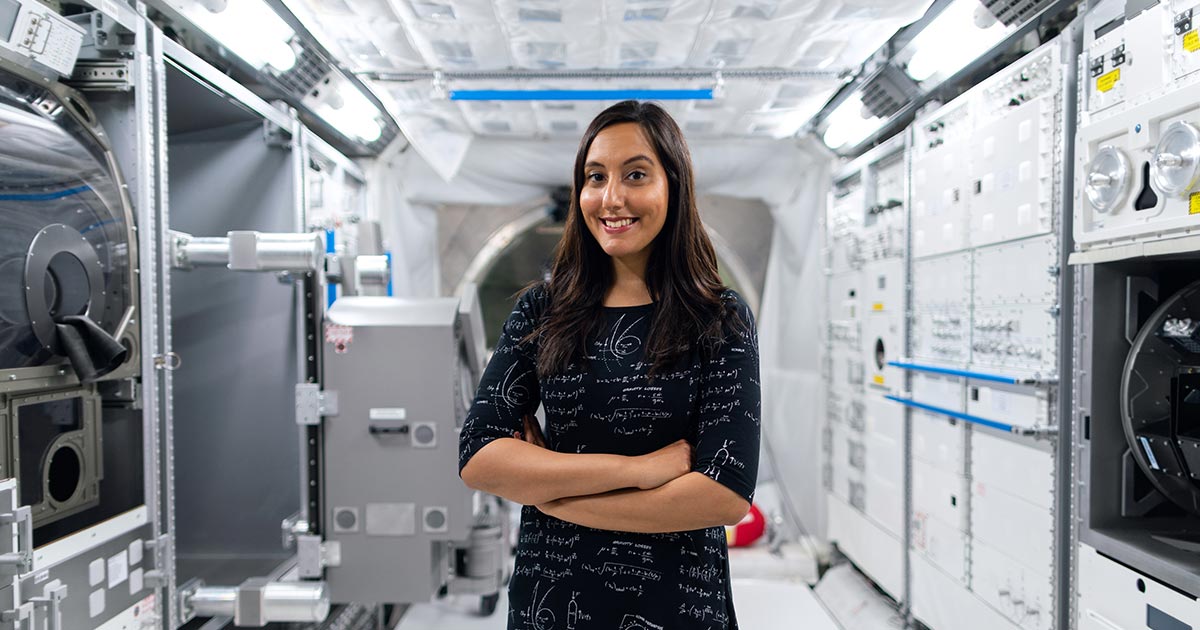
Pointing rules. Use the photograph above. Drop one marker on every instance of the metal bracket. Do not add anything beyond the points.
(312, 404)
(16, 619)
(291, 527)
(276, 136)
(103, 76)
(50, 605)
(183, 597)
(158, 550)
(21, 560)
(313, 555)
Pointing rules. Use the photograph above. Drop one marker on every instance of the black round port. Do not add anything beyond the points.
(64, 471)
(1141, 585)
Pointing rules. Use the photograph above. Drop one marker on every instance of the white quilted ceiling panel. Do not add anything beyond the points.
(454, 36)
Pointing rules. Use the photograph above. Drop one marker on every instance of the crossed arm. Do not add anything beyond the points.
(653, 493)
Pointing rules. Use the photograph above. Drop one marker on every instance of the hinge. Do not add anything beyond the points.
(158, 549)
(103, 76)
(313, 555)
(312, 404)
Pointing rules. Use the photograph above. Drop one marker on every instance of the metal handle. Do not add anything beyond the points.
(387, 429)
(20, 561)
(51, 605)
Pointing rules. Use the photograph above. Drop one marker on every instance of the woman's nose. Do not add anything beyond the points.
(614, 195)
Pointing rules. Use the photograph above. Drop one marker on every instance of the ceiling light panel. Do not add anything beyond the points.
(645, 45)
(352, 31)
(548, 12)
(743, 44)
(462, 46)
(555, 46)
(763, 10)
(441, 11)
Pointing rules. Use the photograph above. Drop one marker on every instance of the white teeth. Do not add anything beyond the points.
(618, 224)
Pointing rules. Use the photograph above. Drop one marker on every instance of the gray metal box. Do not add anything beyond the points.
(393, 500)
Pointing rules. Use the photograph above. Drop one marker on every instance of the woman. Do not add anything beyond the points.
(647, 367)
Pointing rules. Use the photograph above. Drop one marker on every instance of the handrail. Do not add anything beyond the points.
(1007, 428)
(979, 376)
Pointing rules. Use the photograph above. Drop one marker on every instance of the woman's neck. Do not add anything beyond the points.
(629, 283)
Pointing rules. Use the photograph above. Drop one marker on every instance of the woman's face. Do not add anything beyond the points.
(625, 193)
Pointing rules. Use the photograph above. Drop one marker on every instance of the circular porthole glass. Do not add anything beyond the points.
(1107, 179)
(1176, 162)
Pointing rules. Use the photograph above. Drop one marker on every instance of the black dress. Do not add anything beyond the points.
(570, 577)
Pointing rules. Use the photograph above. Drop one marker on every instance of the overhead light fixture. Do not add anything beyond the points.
(849, 124)
(249, 28)
(343, 105)
(957, 36)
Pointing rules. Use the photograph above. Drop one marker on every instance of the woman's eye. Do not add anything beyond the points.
(595, 177)
(637, 175)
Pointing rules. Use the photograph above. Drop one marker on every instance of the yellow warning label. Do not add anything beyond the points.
(1107, 81)
(878, 306)
(1191, 41)
(1194, 203)
(878, 380)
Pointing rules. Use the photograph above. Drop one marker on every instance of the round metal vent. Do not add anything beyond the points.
(1107, 180)
(1160, 398)
(1176, 162)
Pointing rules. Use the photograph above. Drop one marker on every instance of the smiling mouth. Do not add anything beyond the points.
(618, 223)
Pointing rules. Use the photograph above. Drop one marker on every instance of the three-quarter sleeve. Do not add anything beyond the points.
(509, 387)
(729, 406)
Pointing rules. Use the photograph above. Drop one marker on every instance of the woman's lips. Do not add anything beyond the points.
(617, 230)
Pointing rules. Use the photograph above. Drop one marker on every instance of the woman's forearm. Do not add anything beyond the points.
(690, 502)
(532, 475)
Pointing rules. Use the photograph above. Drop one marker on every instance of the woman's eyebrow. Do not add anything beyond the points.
(631, 160)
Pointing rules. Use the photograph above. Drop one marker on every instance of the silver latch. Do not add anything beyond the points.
(291, 527)
(312, 403)
(313, 555)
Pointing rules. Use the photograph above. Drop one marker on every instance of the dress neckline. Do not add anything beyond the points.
(627, 308)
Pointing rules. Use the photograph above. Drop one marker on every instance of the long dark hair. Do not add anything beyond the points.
(681, 273)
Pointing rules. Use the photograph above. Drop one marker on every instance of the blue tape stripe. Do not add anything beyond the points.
(389, 267)
(908, 402)
(46, 196)
(580, 95)
(330, 288)
(979, 376)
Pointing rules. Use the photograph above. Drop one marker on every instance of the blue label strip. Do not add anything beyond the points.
(1007, 428)
(46, 196)
(580, 95)
(979, 376)
(330, 288)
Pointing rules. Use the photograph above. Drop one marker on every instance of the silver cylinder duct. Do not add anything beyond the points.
(249, 251)
(206, 252)
(256, 251)
(214, 601)
(259, 601)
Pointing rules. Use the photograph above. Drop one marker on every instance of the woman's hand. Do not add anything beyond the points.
(666, 464)
(532, 432)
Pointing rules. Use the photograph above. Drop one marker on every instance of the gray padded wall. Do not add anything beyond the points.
(236, 460)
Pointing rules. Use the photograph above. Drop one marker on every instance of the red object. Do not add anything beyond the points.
(748, 530)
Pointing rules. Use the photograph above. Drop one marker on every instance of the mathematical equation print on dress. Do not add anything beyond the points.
(571, 577)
